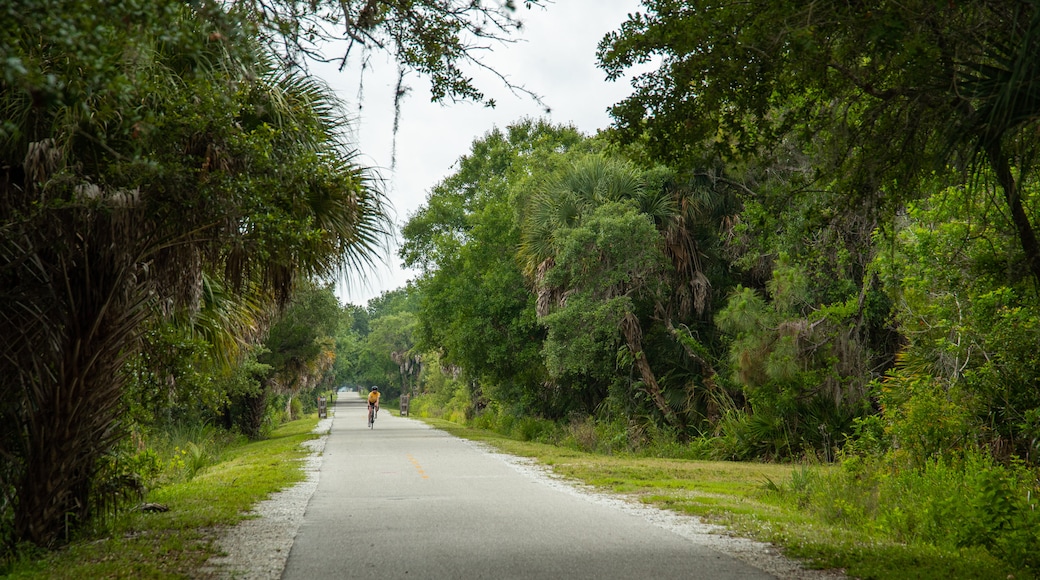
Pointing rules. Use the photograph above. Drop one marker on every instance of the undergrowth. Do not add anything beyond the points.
(203, 477)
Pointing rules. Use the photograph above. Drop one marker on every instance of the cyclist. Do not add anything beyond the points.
(373, 401)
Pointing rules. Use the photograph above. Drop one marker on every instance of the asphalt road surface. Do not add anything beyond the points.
(404, 500)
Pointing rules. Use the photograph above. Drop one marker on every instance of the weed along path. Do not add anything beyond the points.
(404, 500)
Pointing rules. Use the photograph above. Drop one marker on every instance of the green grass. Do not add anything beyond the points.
(177, 543)
(753, 500)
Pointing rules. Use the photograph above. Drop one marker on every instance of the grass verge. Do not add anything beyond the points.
(755, 500)
(177, 543)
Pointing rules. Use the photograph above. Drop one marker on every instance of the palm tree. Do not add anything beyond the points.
(566, 202)
(158, 164)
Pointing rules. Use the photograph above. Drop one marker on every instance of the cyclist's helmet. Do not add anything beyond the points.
(375, 388)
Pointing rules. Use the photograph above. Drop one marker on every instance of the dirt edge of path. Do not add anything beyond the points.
(258, 548)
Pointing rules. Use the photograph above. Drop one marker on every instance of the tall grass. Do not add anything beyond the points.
(183, 451)
(963, 501)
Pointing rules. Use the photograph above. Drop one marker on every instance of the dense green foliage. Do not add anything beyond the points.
(120, 196)
(475, 311)
(880, 97)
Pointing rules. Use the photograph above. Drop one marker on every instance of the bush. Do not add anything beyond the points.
(742, 436)
(486, 419)
(927, 419)
(606, 436)
(504, 423)
(963, 501)
(532, 429)
(868, 437)
(700, 448)
(424, 406)
(696, 450)
(180, 452)
(123, 477)
(581, 434)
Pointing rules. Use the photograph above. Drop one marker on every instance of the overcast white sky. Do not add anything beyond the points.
(556, 59)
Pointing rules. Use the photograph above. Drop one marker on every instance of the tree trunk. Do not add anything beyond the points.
(634, 338)
(71, 416)
(1026, 235)
(707, 370)
(254, 407)
(53, 490)
(708, 373)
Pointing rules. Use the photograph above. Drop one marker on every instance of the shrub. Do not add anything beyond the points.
(743, 436)
(504, 423)
(486, 419)
(123, 476)
(532, 428)
(180, 452)
(424, 406)
(927, 419)
(614, 435)
(582, 435)
(868, 437)
(965, 500)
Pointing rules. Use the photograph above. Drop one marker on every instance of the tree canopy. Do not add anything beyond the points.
(475, 310)
(439, 39)
(882, 97)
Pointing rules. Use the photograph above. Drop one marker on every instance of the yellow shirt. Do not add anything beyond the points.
(373, 398)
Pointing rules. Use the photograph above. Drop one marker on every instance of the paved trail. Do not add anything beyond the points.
(407, 501)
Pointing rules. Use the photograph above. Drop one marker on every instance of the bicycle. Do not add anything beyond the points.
(371, 416)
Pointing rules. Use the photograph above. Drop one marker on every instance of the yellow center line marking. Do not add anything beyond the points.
(418, 467)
